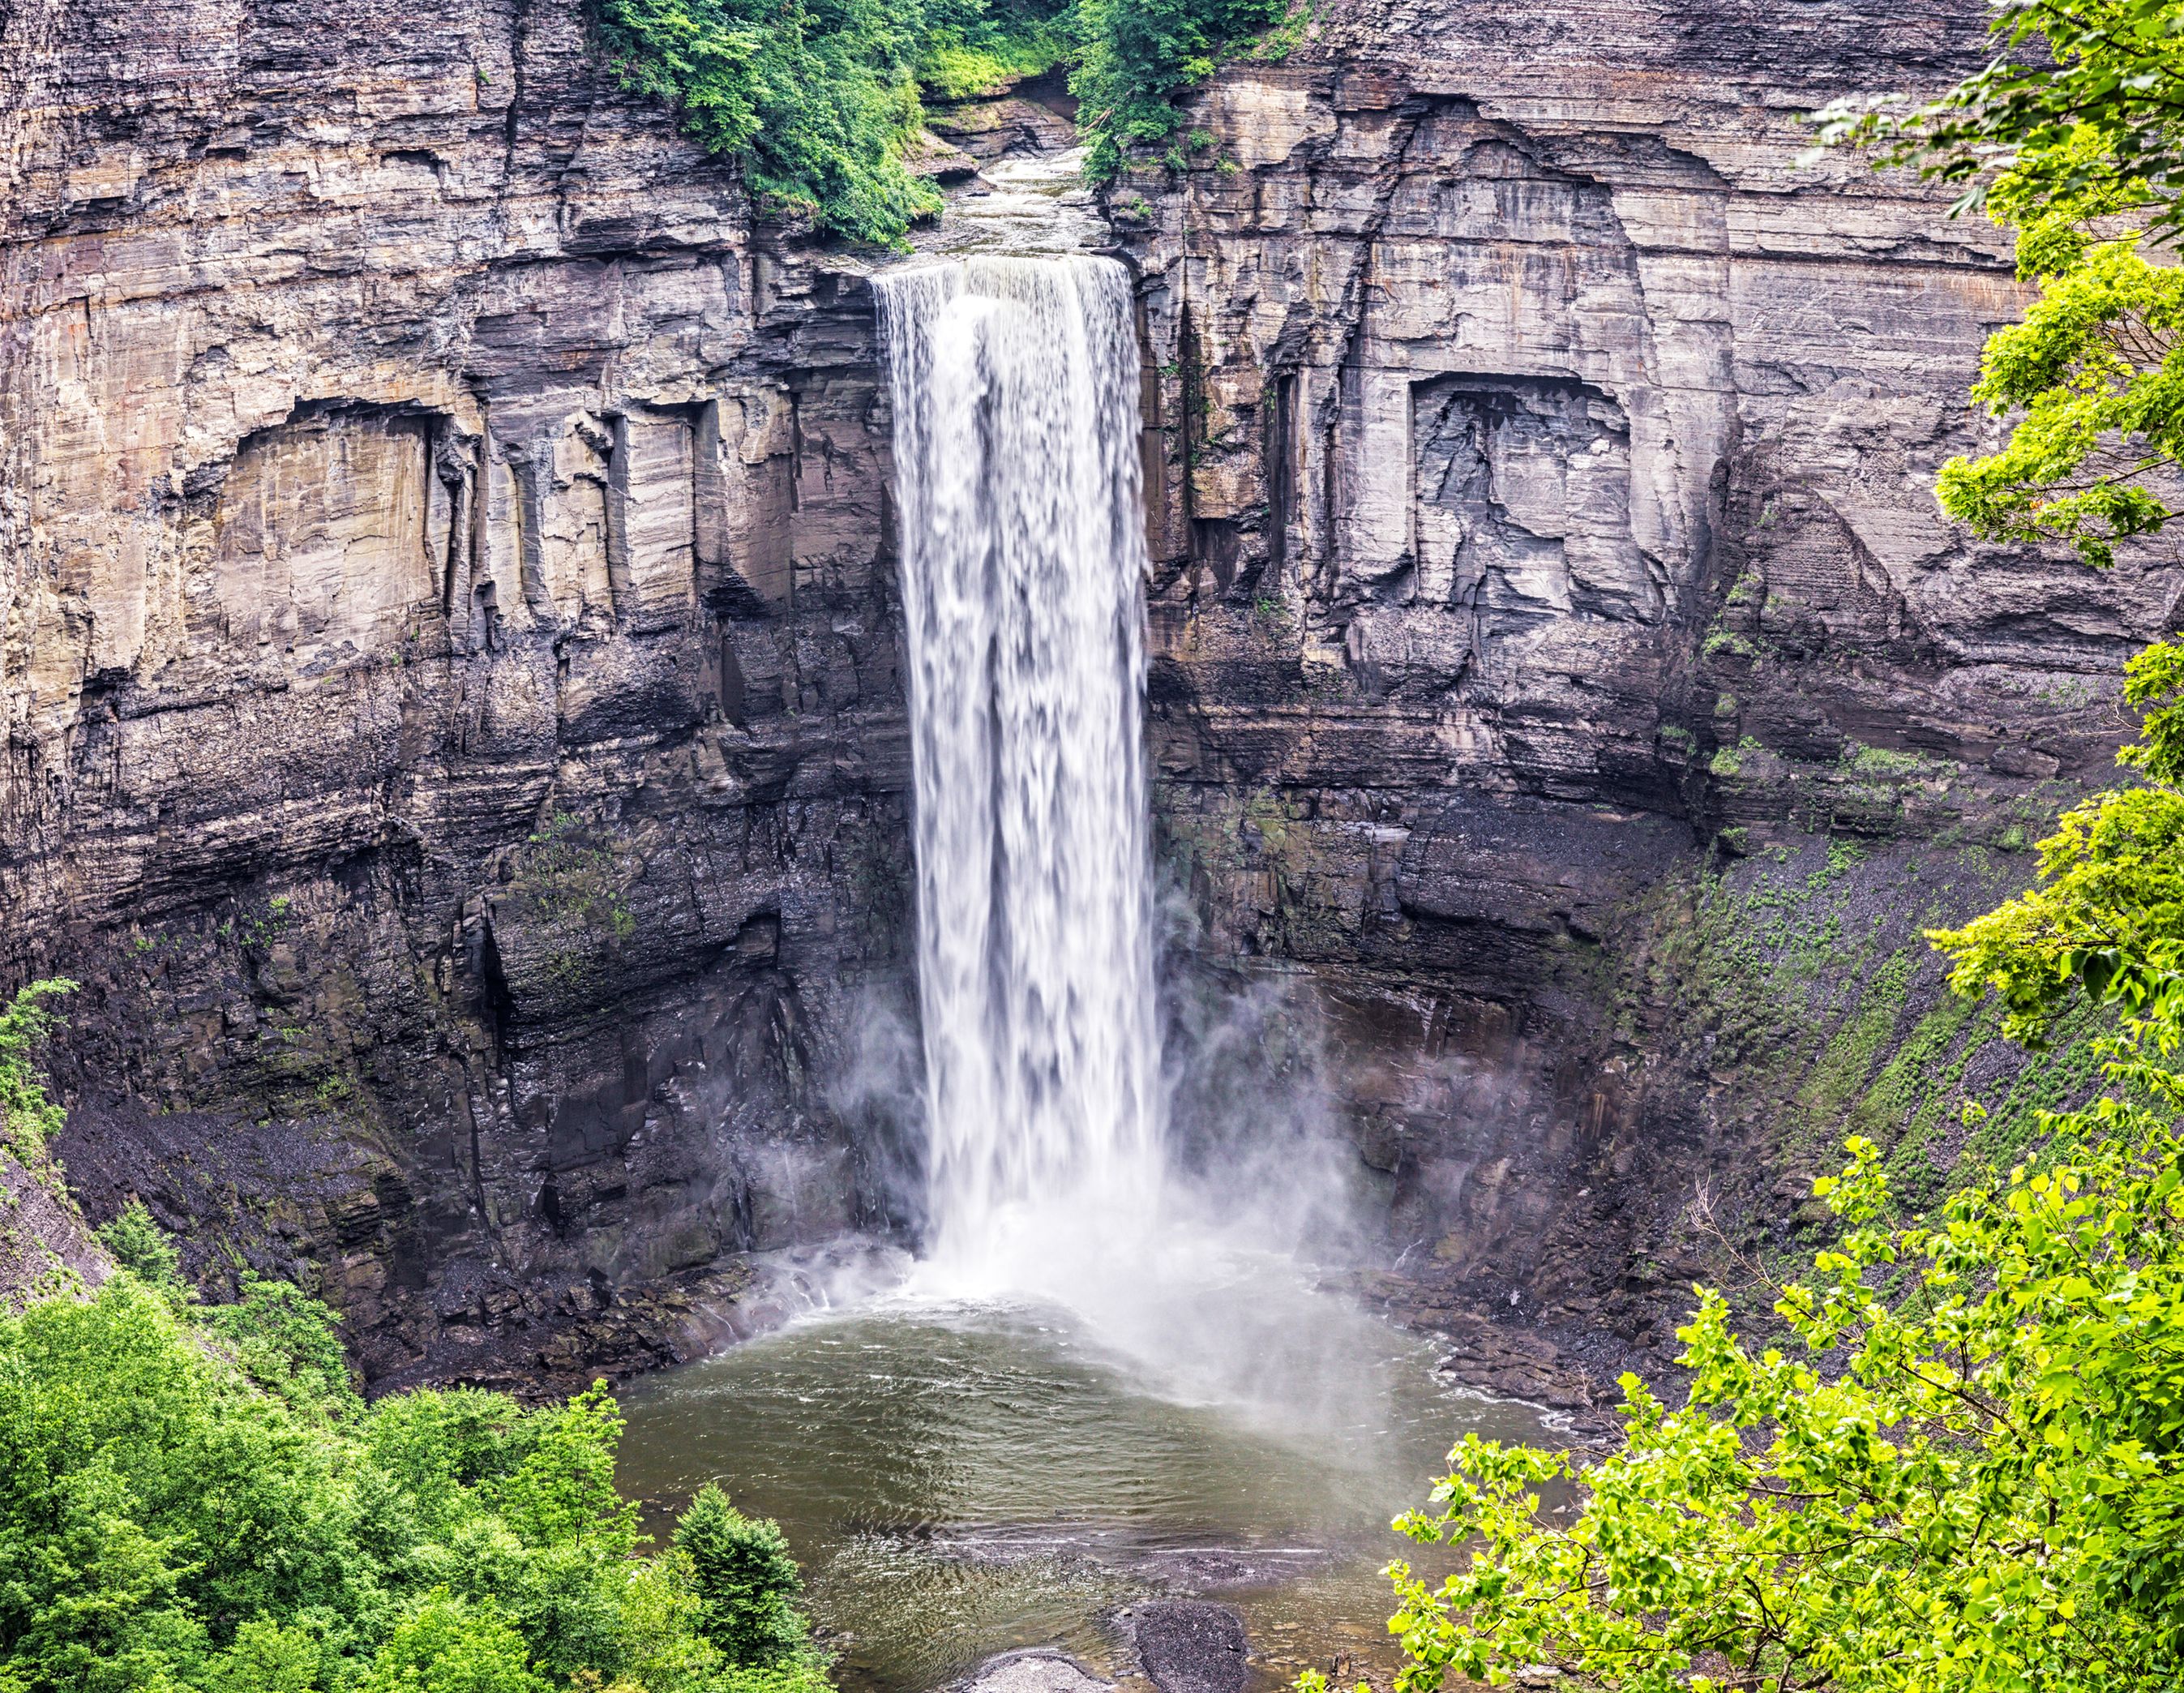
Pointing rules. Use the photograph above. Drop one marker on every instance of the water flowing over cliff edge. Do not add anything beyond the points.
(1015, 389)
(454, 683)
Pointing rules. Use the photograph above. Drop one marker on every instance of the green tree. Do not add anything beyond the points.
(268, 1658)
(448, 1647)
(817, 98)
(746, 1581)
(286, 1342)
(1973, 1482)
(2074, 136)
(141, 1247)
(1140, 57)
(28, 1118)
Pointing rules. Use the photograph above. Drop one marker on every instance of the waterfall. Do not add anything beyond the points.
(1015, 391)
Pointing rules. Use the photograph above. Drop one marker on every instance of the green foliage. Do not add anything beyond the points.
(168, 1523)
(2071, 132)
(28, 1119)
(2078, 108)
(2110, 913)
(446, 1645)
(745, 1582)
(971, 50)
(285, 1341)
(817, 98)
(1978, 1487)
(2092, 370)
(141, 1247)
(1140, 56)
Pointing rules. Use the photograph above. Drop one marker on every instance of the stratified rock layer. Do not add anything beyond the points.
(1543, 461)
(453, 728)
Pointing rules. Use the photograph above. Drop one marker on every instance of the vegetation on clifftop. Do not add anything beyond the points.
(819, 98)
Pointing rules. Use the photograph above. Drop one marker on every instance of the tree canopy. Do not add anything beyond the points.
(194, 1499)
(819, 98)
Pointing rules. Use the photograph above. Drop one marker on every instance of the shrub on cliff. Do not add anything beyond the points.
(169, 1522)
(1140, 57)
(817, 97)
(28, 1118)
(139, 1245)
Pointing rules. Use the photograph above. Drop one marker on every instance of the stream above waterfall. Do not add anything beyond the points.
(963, 1477)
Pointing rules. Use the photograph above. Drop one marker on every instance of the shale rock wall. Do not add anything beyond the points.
(452, 728)
(1542, 461)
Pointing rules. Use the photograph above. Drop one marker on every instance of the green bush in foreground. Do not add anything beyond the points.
(1974, 1482)
(195, 1499)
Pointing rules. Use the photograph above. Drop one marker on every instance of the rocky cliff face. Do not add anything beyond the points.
(1543, 462)
(454, 725)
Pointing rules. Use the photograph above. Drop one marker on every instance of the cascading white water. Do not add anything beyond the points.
(1014, 388)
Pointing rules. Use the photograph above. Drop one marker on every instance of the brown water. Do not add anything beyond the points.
(960, 1477)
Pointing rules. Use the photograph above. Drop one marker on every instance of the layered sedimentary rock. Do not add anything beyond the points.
(454, 728)
(1544, 457)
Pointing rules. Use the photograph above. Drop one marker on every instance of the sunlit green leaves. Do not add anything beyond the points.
(167, 1524)
(1141, 56)
(1981, 1492)
(2079, 102)
(817, 97)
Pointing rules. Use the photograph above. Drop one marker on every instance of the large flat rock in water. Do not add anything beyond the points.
(1033, 1672)
(1186, 1645)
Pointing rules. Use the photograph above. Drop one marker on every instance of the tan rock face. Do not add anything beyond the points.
(447, 662)
(1543, 462)
(455, 728)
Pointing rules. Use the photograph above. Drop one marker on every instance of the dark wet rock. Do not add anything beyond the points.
(1186, 1645)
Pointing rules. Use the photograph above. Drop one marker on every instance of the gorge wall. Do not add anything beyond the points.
(454, 725)
(454, 733)
(1562, 660)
